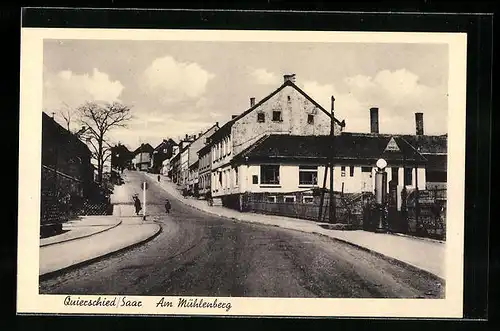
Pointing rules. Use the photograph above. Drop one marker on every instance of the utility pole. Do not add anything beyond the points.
(331, 214)
(144, 187)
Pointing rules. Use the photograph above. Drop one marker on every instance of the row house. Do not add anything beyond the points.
(194, 159)
(182, 161)
(167, 163)
(286, 111)
(205, 168)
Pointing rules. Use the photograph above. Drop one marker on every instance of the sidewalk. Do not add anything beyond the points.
(92, 237)
(81, 228)
(424, 254)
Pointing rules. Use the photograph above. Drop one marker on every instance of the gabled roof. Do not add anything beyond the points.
(51, 127)
(348, 147)
(145, 148)
(226, 127)
(426, 144)
(168, 141)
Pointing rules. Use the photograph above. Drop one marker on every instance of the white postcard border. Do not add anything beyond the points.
(30, 301)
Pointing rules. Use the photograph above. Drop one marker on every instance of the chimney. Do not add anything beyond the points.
(374, 120)
(252, 102)
(186, 137)
(216, 123)
(234, 116)
(419, 123)
(289, 78)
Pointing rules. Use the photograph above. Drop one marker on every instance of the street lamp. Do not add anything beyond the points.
(380, 193)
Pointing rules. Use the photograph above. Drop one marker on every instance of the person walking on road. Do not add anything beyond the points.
(137, 204)
(168, 206)
(158, 178)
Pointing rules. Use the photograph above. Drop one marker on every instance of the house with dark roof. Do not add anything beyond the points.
(288, 110)
(121, 157)
(433, 147)
(142, 157)
(289, 164)
(162, 152)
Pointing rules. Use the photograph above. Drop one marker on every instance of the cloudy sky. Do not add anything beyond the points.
(183, 87)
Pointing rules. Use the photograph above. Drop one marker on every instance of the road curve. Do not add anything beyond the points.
(198, 254)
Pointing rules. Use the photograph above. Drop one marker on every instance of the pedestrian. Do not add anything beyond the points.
(137, 204)
(167, 206)
(158, 178)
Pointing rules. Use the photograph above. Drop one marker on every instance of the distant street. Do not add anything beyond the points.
(198, 254)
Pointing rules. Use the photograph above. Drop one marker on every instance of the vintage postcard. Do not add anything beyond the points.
(255, 173)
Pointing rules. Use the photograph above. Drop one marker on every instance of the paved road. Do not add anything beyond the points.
(202, 255)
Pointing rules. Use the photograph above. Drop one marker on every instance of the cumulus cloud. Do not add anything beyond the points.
(264, 77)
(398, 94)
(66, 87)
(170, 80)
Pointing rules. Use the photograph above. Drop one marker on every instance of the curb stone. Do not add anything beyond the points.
(83, 236)
(97, 258)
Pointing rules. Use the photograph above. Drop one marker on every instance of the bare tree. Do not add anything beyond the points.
(67, 113)
(98, 120)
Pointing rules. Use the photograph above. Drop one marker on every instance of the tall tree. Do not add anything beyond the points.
(99, 119)
(67, 113)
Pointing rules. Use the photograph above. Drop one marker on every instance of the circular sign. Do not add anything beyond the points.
(381, 163)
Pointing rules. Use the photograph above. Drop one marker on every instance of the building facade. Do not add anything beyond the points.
(162, 152)
(142, 157)
(205, 169)
(194, 159)
(286, 111)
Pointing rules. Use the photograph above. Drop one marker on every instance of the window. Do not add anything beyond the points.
(261, 117)
(290, 198)
(255, 179)
(271, 198)
(351, 171)
(367, 170)
(236, 176)
(342, 171)
(310, 119)
(269, 174)
(408, 176)
(395, 175)
(308, 175)
(277, 116)
(308, 199)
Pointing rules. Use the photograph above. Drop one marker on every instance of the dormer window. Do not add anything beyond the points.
(261, 117)
(310, 119)
(277, 116)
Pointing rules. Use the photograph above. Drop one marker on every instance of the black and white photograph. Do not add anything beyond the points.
(242, 172)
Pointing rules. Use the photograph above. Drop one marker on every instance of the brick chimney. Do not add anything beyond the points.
(252, 101)
(419, 124)
(289, 78)
(374, 120)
